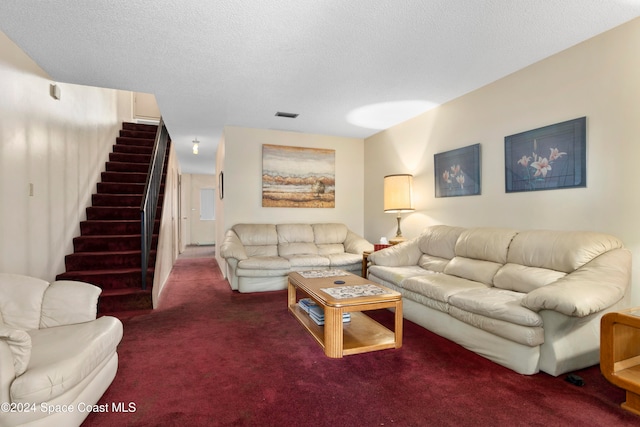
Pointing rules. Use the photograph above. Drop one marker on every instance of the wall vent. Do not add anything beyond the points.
(287, 115)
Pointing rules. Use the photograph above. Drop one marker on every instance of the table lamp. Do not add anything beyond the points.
(398, 198)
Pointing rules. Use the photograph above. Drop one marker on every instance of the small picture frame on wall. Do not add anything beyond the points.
(457, 172)
(547, 158)
(221, 185)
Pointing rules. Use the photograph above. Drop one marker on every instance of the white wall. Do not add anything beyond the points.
(168, 242)
(598, 79)
(243, 179)
(59, 146)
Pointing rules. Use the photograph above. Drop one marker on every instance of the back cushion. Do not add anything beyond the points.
(564, 251)
(258, 239)
(520, 278)
(295, 239)
(328, 249)
(433, 263)
(256, 234)
(440, 241)
(487, 244)
(473, 269)
(329, 233)
(21, 300)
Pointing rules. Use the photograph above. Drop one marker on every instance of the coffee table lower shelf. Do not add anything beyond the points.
(360, 335)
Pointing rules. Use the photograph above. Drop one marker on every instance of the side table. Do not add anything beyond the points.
(365, 256)
(365, 262)
(620, 353)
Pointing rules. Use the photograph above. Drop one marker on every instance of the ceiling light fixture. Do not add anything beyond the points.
(287, 115)
(195, 145)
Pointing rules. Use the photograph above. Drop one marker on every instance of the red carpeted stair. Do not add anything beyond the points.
(107, 252)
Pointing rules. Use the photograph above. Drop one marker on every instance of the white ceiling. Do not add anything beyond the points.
(226, 62)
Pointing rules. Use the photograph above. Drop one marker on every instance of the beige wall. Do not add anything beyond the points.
(220, 202)
(59, 146)
(242, 168)
(168, 241)
(598, 79)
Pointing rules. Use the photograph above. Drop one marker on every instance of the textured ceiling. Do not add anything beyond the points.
(225, 62)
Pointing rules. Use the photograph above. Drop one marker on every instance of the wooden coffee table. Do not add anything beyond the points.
(362, 334)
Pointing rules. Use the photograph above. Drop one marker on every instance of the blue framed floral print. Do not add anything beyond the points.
(457, 172)
(547, 158)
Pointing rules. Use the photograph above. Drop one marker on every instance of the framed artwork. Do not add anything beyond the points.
(297, 177)
(547, 158)
(457, 172)
(221, 185)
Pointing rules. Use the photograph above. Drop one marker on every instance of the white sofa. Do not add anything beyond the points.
(528, 300)
(56, 358)
(260, 256)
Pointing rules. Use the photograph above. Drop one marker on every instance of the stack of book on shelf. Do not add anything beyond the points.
(316, 313)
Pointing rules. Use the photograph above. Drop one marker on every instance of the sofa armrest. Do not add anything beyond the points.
(405, 253)
(232, 247)
(356, 244)
(594, 287)
(19, 344)
(67, 302)
(7, 372)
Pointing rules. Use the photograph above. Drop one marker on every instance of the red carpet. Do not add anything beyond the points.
(211, 357)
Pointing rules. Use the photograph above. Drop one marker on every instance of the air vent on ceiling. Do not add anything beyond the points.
(287, 115)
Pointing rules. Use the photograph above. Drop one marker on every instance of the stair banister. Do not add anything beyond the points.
(150, 196)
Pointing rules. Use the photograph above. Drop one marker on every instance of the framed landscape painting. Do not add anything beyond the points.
(298, 177)
(547, 158)
(457, 172)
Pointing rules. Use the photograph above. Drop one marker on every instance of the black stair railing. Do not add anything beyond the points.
(150, 196)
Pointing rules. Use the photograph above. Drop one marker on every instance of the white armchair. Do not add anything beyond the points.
(56, 358)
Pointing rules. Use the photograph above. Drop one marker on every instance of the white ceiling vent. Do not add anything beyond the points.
(287, 115)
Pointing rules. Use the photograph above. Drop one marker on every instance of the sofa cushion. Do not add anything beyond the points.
(344, 259)
(256, 234)
(521, 278)
(21, 300)
(19, 342)
(331, 248)
(262, 251)
(287, 250)
(440, 241)
(264, 263)
(295, 233)
(307, 260)
(487, 244)
(496, 304)
(63, 356)
(439, 286)
(433, 263)
(396, 275)
(295, 239)
(329, 233)
(564, 251)
(473, 269)
(63, 294)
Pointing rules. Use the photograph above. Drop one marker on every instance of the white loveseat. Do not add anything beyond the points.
(260, 256)
(528, 300)
(56, 358)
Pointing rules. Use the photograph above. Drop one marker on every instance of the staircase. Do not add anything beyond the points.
(107, 253)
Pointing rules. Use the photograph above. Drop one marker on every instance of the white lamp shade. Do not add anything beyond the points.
(398, 193)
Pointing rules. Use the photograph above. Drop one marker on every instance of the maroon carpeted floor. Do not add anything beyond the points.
(211, 357)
